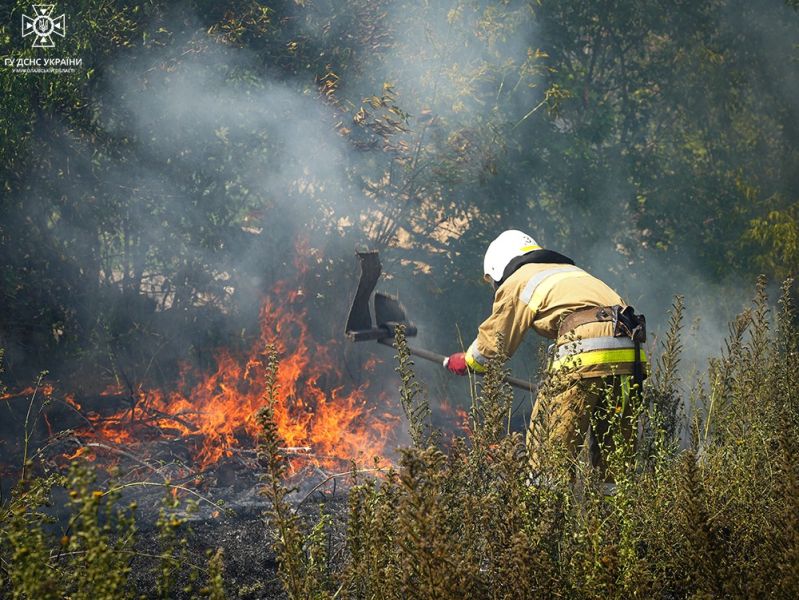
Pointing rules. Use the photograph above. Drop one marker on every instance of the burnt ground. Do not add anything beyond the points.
(229, 513)
(241, 531)
(250, 568)
(232, 519)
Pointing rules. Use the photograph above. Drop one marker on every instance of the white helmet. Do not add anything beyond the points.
(505, 248)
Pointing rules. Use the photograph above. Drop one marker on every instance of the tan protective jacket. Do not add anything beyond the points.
(538, 296)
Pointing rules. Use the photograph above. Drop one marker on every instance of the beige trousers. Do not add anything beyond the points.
(579, 413)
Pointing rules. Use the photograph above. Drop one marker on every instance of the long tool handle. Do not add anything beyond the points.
(439, 358)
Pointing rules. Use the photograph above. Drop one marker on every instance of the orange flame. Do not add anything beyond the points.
(45, 389)
(312, 409)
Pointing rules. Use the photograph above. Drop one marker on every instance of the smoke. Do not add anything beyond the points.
(222, 163)
(262, 146)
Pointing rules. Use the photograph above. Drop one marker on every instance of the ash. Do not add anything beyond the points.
(234, 519)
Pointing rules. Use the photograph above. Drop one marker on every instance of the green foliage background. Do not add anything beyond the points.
(655, 142)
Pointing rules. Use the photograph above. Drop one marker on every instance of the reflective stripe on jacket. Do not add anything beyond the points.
(539, 296)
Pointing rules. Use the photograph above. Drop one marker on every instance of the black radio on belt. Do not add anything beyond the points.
(628, 324)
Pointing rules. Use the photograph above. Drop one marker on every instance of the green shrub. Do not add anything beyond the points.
(716, 517)
(88, 553)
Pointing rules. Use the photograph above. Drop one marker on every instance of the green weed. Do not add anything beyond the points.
(713, 516)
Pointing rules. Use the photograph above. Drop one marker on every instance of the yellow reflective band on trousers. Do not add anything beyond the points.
(597, 357)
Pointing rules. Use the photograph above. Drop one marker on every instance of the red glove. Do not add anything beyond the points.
(456, 363)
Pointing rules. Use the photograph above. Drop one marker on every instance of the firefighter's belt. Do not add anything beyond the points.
(595, 314)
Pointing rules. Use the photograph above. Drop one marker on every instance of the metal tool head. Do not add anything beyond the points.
(388, 311)
(360, 317)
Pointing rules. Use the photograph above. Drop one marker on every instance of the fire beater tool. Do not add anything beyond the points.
(389, 314)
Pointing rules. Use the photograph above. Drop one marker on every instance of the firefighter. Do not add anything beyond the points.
(596, 358)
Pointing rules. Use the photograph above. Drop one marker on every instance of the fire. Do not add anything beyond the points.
(45, 389)
(215, 413)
